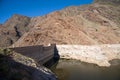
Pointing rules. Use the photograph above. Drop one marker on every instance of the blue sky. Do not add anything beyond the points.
(32, 8)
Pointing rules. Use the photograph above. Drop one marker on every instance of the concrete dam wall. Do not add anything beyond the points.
(97, 54)
(39, 53)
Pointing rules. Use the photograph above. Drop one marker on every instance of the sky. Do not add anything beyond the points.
(32, 8)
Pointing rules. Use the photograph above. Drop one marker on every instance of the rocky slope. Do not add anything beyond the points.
(13, 29)
(96, 23)
(14, 66)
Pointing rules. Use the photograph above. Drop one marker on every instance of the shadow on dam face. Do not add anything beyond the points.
(77, 70)
(40, 53)
(72, 69)
(53, 60)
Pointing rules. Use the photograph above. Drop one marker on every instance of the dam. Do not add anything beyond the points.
(95, 54)
(77, 62)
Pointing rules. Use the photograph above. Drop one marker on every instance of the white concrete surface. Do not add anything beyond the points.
(97, 54)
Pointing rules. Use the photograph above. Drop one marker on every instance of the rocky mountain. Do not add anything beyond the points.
(97, 23)
(13, 29)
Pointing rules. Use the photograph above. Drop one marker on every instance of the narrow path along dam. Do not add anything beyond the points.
(96, 54)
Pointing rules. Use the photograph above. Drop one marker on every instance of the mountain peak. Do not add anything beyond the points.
(16, 18)
(13, 29)
(18, 15)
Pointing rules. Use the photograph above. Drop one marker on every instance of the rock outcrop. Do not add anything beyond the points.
(14, 66)
(13, 29)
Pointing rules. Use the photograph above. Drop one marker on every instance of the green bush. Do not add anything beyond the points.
(5, 52)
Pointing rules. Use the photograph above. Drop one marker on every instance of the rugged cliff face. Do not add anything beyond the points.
(96, 23)
(13, 29)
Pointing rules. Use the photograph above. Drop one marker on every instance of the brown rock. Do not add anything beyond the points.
(86, 25)
(13, 29)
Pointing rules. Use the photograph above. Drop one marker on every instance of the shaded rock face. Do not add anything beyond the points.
(96, 23)
(13, 29)
(0, 25)
(14, 66)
